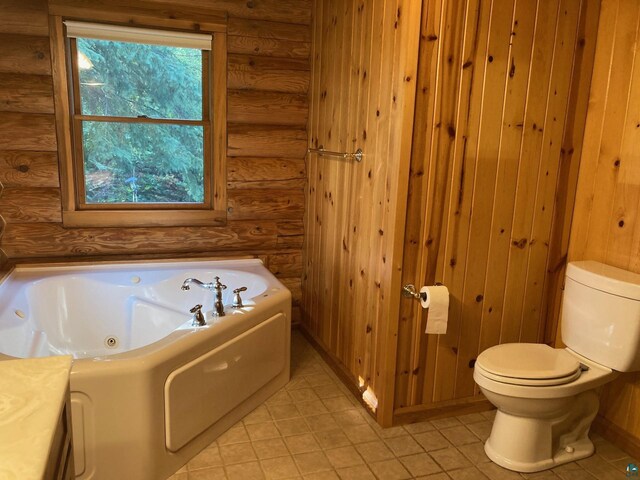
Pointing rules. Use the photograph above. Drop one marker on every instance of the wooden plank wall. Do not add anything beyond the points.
(606, 223)
(498, 90)
(268, 79)
(364, 59)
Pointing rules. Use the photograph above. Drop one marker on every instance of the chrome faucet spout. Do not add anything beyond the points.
(186, 284)
(216, 287)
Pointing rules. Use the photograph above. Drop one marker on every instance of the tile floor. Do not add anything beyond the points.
(315, 429)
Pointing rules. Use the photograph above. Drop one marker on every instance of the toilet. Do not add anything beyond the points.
(547, 398)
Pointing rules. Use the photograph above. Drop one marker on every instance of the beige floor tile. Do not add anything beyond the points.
(447, 422)
(299, 382)
(322, 422)
(360, 433)
(404, 445)
(314, 407)
(319, 379)
(184, 468)
(609, 452)
(179, 476)
(459, 435)
(349, 418)
(302, 443)
(237, 453)
(432, 440)
(209, 457)
(496, 472)
(624, 462)
(469, 473)
(259, 415)
(450, 459)
(390, 432)
(303, 395)
(245, 471)
(419, 427)
(544, 475)
(420, 464)
(281, 467)
(343, 457)
(312, 462)
(471, 418)
(282, 412)
(599, 468)
(474, 452)
(338, 404)
(481, 429)
(236, 434)
(374, 451)
(328, 475)
(358, 472)
(262, 431)
(332, 438)
(328, 391)
(280, 398)
(575, 475)
(292, 426)
(489, 414)
(270, 448)
(215, 473)
(435, 476)
(389, 470)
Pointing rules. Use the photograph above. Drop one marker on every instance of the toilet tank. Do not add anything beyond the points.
(601, 314)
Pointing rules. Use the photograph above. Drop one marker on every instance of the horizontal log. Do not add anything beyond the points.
(293, 184)
(290, 234)
(29, 169)
(51, 239)
(141, 14)
(30, 205)
(263, 29)
(24, 54)
(295, 286)
(26, 131)
(267, 46)
(24, 17)
(267, 108)
(267, 74)
(266, 141)
(285, 264)
(252, 169)
(289, 11)
(26, 93)
(265, 204)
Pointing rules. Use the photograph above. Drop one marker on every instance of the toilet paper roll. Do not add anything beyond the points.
(436, 299)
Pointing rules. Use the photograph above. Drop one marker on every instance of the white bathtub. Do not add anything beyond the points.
(149, 390)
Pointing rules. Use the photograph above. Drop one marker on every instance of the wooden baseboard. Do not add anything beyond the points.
(453, 408)
(616, 435)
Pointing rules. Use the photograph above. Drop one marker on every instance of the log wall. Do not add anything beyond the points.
(499, 114)
(606, 223)
(268, 79)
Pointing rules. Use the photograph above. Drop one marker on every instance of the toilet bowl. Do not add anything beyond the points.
(547, 398)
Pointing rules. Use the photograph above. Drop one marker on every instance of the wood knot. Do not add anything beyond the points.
(520, 243)
(23, 168)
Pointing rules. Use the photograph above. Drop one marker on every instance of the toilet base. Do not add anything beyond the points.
(526, 444)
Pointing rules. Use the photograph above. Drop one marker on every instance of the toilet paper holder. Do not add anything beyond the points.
(409, 291)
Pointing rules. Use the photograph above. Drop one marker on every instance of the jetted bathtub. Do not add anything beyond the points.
(148, 389)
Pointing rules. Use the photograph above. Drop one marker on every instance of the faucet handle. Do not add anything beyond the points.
(217, 285)
(198, 317)
(237, 301)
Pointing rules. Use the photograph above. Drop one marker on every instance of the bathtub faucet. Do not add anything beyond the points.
(216, 287)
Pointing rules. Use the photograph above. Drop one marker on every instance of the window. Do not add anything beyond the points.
(145, 137)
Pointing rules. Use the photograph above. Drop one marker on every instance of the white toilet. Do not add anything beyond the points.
(546, 397)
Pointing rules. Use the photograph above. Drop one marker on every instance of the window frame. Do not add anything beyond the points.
(75, 211)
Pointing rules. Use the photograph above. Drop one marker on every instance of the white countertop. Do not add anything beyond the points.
(32, 393)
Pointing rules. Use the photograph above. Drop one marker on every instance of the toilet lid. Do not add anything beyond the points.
(534, 363)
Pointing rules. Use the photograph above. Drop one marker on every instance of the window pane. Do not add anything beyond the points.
(122, 79)
(143, 163)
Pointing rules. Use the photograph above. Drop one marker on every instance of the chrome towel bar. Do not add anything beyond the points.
(357, 155)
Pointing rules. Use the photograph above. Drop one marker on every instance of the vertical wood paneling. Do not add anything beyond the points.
(606, 226)
(496, 83)
(364, 57)
(268, 76)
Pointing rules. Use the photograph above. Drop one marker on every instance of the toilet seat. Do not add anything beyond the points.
(528, 364)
